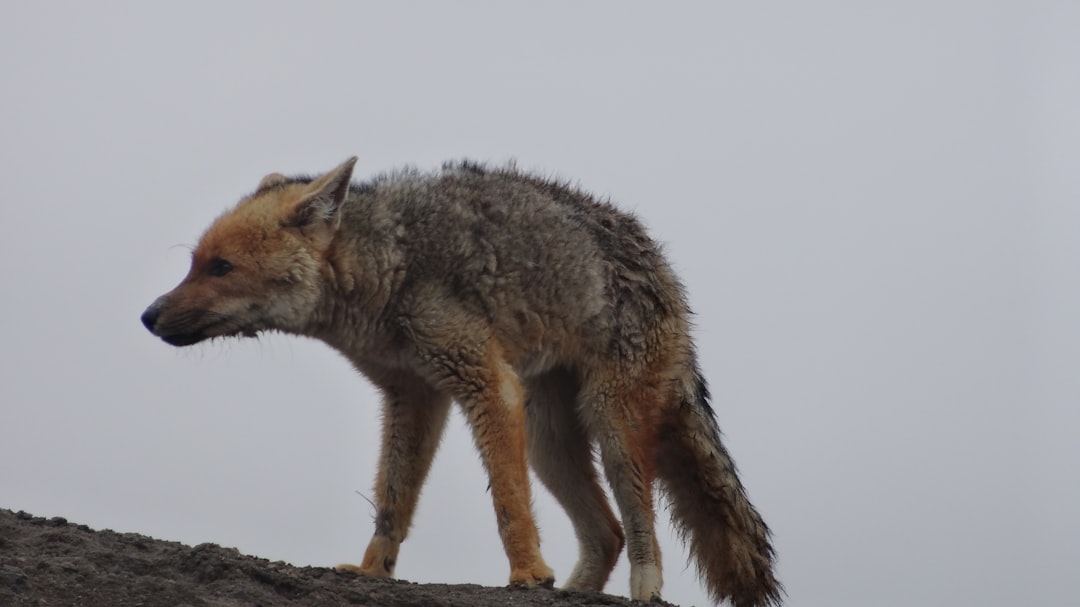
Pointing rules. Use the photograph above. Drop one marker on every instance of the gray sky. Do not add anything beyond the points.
(874, 207)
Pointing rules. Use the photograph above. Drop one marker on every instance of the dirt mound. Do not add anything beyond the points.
(57, 563)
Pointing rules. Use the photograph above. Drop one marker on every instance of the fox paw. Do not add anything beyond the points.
(379, 558)
(541, 575)
(645, 582)
(372, 571)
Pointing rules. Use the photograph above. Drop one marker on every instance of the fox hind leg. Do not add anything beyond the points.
(561, 455)
(619, 416)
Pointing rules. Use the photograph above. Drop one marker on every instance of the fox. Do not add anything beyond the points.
(549, 316)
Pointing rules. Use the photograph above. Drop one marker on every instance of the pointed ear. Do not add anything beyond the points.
(322, 199)
(271, 180)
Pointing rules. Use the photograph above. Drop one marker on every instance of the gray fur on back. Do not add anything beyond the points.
(525, 252)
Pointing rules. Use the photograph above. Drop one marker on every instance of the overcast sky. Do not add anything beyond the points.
(874, 206)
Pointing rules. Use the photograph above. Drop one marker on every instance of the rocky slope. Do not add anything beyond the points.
(51, 562)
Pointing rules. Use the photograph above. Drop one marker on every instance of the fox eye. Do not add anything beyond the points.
(219, 267)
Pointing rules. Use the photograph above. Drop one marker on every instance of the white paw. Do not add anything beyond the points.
(645, 582)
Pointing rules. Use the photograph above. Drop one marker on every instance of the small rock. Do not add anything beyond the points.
(10, 576)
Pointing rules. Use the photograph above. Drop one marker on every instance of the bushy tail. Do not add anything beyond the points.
(709, 507)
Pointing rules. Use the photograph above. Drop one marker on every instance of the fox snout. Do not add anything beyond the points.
(150, 319)
(180, 329)
(150, 316)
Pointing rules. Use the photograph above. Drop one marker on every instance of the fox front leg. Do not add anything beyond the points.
(414, 416)
(491, 396)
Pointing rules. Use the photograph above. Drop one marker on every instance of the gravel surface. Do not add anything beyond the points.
(51, 562)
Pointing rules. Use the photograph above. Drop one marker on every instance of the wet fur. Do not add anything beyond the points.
(549, 316)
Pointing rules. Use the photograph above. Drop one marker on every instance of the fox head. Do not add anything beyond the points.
(260, 266)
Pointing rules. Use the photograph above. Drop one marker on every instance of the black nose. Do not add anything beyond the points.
(150, 316)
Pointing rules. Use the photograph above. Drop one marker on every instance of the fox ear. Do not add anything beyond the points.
(271, 180)
(322, 200)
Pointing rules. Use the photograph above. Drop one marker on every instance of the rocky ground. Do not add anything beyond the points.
(51, 562)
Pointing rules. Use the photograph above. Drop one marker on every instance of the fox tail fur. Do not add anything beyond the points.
(724, 532)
